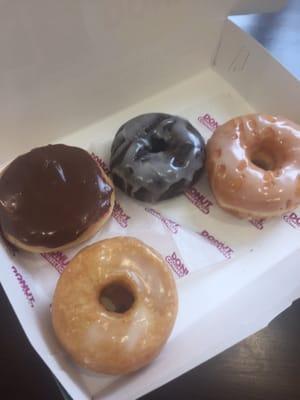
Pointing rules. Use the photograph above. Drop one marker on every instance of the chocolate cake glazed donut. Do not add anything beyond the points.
(53, 197)
(156, 156)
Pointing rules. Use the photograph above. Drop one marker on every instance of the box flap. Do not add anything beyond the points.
(256, 75)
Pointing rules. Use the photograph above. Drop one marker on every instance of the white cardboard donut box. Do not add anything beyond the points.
(73, 72)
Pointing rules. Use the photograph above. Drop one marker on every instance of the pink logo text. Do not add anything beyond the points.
(292, 219)
(258, 223)
(120, 216)
(118, 213)
(24, 286)
(57, 259)
(101, 163)
(222, 247)
(199, 200)
(171, 225)
(208, 121)
(177, 265)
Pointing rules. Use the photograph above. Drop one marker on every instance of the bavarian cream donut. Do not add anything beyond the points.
(253, 165)
(52, 198)
(114, 306)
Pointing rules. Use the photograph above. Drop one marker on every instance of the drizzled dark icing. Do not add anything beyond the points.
(156, 156)
(51, 195)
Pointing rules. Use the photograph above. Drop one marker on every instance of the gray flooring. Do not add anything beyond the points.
(279, 32)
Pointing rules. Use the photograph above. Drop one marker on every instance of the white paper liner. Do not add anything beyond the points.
(222, 265)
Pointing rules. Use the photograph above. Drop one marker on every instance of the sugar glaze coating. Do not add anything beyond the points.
(253, 164)
(125, 339)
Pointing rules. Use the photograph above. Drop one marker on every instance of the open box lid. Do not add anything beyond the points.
(65, 63)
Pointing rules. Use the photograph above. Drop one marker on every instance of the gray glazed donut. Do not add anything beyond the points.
(156, 156)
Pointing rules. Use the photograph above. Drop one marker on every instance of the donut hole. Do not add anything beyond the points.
(268, 156)
(182, 155)
(157, 145)
(117, 297)
(264, 161)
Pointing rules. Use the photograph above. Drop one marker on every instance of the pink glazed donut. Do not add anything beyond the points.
(253, 165)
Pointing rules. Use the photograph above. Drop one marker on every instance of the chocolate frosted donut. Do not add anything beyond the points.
(156, 156)
(53, 196)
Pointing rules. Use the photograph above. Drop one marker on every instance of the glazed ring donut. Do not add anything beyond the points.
(114, 306)
(52, 198)
(253, 165)
(156, 156)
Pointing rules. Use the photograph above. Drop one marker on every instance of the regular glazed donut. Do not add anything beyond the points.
(52, 198)
(114, 306)
(253, 165)
(156, 156)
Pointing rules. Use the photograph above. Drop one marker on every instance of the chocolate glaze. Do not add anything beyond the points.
(156, 156)
(51, 195)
